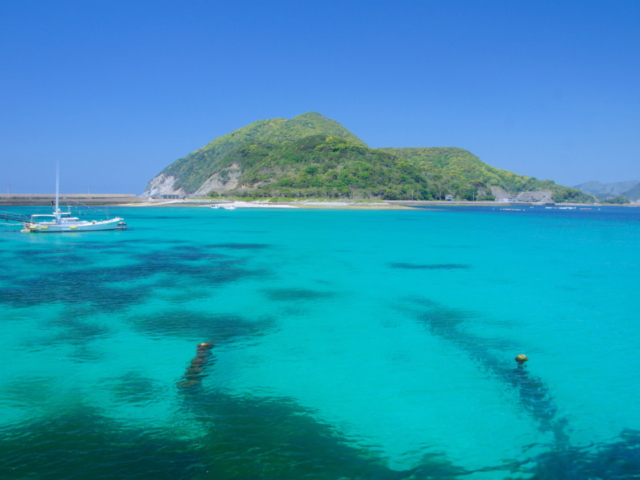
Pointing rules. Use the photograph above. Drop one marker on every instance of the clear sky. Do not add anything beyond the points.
(117, 90)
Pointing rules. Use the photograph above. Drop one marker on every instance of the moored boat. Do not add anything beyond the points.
(63, 222)
(59, 221)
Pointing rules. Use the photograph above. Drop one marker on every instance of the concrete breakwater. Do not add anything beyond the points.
(70, 199)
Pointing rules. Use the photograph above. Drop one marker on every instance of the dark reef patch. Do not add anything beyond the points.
(295, 294)
(100, 245)
(81, 444)
(180, 254)
(170, 217)
(240, 246)
(101, 287)
(76, 332)
(244, 437)
(133, 388)
(109, 289)
(618, 460)
(86, 353)
(218, 328)
(256, 438)
(275, 438)
(163, 257)
(41, 252)
(608, 461)
(6, 277)
(28, 391)
(533, 395)
(58, 257)
(154, 242)
(71, 287)
(432, 266)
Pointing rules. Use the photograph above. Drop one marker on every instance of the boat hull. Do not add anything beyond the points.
(47, 227)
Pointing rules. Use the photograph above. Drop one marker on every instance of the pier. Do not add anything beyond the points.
(70, 199)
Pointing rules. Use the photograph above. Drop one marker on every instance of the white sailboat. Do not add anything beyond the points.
(60, 221)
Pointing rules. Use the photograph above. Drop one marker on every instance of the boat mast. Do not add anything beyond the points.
(56, 212)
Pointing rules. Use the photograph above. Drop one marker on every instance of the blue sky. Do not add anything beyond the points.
(117, 90)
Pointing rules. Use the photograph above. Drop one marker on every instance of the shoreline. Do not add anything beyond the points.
(312, 204)
(342, 205)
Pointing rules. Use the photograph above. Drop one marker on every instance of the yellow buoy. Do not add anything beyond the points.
(522, 358)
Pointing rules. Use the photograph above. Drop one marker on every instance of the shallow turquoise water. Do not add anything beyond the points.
(348, 344)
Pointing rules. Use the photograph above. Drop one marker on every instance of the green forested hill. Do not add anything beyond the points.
(459, 164)
(313, 156)
(194, 169)
(325, 166)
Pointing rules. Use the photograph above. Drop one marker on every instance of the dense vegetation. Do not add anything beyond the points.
(461, 164)
(333, 167)
(312, 156)
(565, 194)
(194, 169)
(619, 200)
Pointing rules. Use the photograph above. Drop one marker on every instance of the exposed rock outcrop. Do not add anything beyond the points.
(542, 196)
(221, 182)
(162, 185)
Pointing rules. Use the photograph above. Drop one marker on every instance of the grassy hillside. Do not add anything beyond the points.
(325, 166)
(460, 164)
(333, 167)
(192, 170)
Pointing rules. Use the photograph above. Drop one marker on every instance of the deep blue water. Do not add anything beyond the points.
(347, 344)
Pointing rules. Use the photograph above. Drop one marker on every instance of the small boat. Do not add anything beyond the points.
(63, 222)
(60, 221)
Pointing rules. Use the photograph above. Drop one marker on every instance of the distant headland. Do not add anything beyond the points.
(618, 192)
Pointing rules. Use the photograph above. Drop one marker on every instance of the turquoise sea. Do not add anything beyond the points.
(346, 345)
